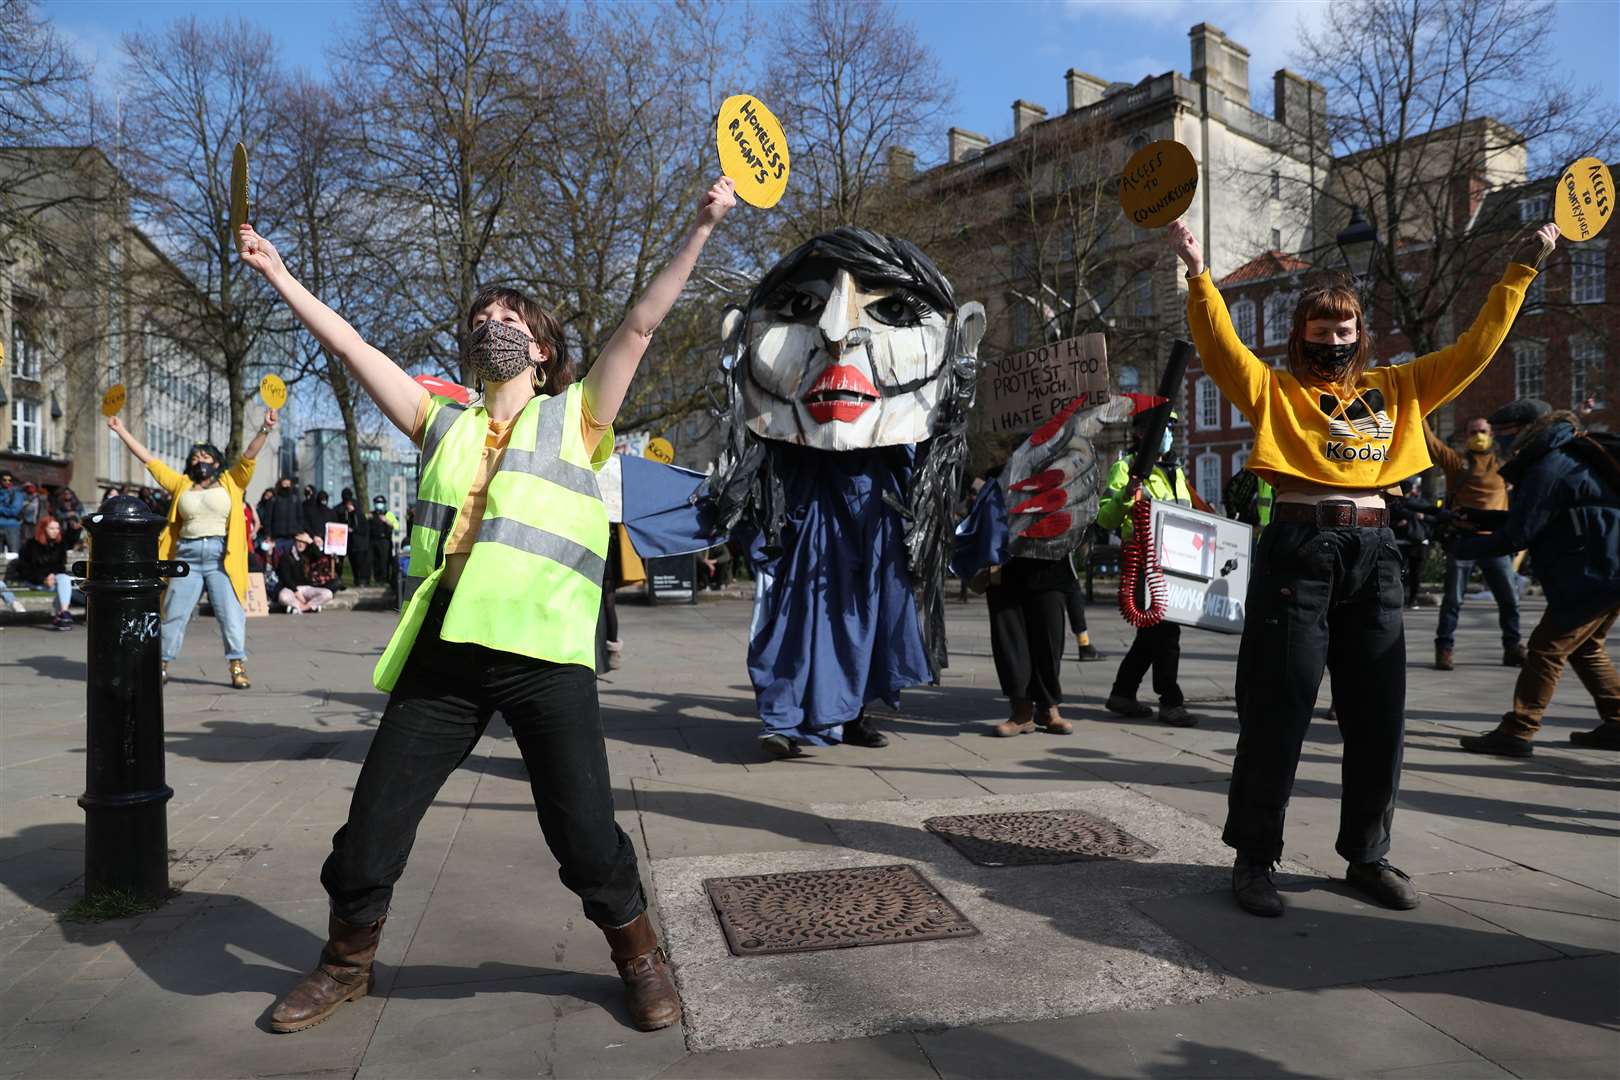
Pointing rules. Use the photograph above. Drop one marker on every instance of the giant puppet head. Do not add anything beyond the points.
(854, 340)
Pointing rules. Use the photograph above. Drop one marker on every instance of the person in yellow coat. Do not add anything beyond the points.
(208, 531)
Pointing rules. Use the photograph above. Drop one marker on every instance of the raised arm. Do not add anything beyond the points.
(142, 454)
(253, 448)
(609, 377)
(396, 393)
(1241, 376)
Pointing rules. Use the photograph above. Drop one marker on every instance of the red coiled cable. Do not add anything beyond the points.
(1138, 561)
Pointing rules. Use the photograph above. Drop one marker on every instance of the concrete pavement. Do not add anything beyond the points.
(1138, 968)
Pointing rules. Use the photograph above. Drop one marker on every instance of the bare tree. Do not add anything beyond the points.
(849, 81)
(195, 90)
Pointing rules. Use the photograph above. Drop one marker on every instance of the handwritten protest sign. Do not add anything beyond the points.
(753, 150)
(272, 391)
(1584, 200)
(113, 399)
(337, 538)
(659, 449)
(239, 189)
(1023, 390)
(1158, 184)
(257, 602)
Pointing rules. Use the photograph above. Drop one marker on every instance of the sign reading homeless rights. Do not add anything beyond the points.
(1024, 390)
(753, 150)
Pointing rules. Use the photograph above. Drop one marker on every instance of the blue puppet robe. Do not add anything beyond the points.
(836, 624)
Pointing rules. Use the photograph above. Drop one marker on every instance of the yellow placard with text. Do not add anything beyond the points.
(239, 192)
(753, 150)
(113, 399)
(1584, 201)
(659, 449)
(1158, 184)
(272, 391)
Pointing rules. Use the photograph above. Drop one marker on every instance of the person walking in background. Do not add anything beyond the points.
(1566, 510)
(44, 562)
(11, 507)
(207, 530)
(1474, 482)
(300, 595)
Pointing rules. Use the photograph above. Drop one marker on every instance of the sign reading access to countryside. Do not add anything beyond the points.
(1023, 390)
(753, 150)
(239, 189)
(1584, 200)
(660, 449)
(1158, 184)
(272, 391)
(113, 400)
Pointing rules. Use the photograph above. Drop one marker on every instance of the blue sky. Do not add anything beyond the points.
(994, 50)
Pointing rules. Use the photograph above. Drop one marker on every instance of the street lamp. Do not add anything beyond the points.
(1357, 243)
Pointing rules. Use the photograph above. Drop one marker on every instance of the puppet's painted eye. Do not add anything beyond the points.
(796, 305)
(901, 309)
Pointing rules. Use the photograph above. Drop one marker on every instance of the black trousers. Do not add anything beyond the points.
(443, 701)
(360, 561)
(1157, 647)
(1075, 601)
(1320, 598)
(1027, 612)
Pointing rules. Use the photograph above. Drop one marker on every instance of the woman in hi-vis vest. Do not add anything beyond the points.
(507, 551)
(1332, 433)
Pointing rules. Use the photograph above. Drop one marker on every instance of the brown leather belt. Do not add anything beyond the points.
(1331, 514)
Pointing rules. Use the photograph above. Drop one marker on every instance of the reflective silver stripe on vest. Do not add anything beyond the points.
(442, 421)
(432, 515)
(412, 583)
(514, 534)
(546, 460)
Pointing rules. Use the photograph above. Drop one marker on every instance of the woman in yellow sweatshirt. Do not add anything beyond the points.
(1331, 433)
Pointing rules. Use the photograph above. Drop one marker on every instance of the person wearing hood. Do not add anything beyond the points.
(1474, 482)
(1566, 510)
(208, 531)
(1158, 646)
(283, 519)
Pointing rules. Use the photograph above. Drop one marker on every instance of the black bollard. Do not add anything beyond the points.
(126, 841)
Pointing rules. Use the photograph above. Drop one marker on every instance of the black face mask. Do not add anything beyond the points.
(201, 471)
(1326, 360)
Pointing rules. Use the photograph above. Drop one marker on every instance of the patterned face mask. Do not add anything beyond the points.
(497, 352)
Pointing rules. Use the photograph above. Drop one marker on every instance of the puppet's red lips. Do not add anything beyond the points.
(841, 394)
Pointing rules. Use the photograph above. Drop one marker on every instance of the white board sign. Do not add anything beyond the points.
(1023, 390)
(1205, 559)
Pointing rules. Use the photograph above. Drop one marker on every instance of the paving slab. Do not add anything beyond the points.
(1568, 917)
(886, 1057)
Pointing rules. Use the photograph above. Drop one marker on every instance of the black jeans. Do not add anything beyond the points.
(439, 708)
(1027, 612)
(1320, 598)
(1158, 647)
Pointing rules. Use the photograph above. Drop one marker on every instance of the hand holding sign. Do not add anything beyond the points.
(272, 391)
(113, 400)
(1584, 200)
(239, 189)
(753, 150)
(1159, 183)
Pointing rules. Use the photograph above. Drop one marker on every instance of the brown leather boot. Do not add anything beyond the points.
(1442, 658)
(649, 992)
(1052, 722)
(1021, 722)
(343, 974)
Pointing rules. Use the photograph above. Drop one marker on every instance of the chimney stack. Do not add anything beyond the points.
(964, 144)
(902, 163)
(1299, 104)
(1026, 114)
(1220, 63)
(1084, 89)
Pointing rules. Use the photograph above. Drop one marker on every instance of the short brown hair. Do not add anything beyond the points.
(1335, 299)
(543, 326)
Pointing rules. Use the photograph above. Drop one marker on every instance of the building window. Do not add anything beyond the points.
(1276, 184)
(1243, 321)
(1536, 208)
(1207, 478)
(1585, 276)
(25, 431)
(1535, 297)
(1142, 295)
(1585, 372)
(1279, 318)
(1529, 368)
(24, 352)
(1238, 419)
(1240, 460)
(1128, 378)
(1020, 324)
(1209, 404)
(1276, 239)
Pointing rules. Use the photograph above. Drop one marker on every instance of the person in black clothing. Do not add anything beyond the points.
(293, 571)
(1410, 517)
(283, 519)
(43, 562)
(359, 538)
(380, 535)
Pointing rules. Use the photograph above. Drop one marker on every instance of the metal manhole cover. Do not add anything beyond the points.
(832, 909)
(1033, 837)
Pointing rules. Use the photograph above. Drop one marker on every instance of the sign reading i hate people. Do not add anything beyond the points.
(1023, 390)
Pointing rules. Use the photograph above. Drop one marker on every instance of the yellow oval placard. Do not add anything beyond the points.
(272, 391)
(239, 192)
(660, 449)
(1158, 184)
(113, 399)
(1584, 200)
(753, 150)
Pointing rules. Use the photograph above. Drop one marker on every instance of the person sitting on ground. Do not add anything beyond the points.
(1566, 509)
(301, 595)
(44, 562)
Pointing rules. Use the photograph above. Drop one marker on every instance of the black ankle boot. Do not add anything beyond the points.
(1253, 888)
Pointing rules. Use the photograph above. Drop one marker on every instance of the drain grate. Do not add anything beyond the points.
(1034, 837)
(832, 909)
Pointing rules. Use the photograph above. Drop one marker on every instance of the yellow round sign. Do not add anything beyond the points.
(1159, 183)
(753, 150)
(113, 400)
(272, 391)
(1584, 200)
(239, 193)
(659, 449)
